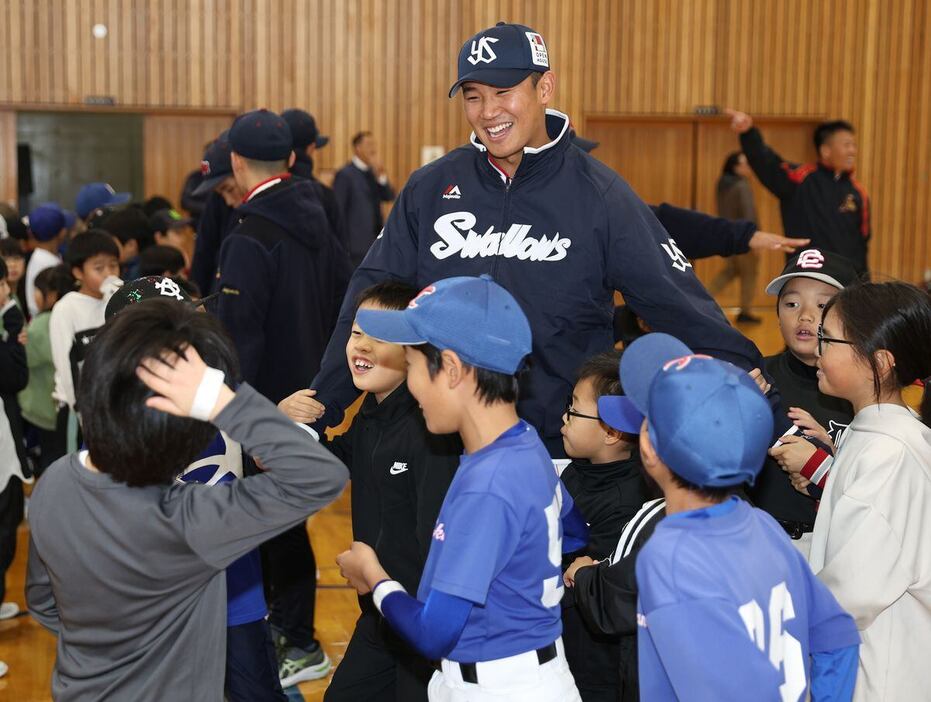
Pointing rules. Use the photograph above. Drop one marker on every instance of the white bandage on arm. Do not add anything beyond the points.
(383, 589)
(309, 430)
(208, 392)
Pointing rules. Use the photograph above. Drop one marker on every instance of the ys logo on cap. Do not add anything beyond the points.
(481, 51)
(811, 258)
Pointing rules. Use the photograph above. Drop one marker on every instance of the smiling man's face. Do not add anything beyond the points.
(506, 120)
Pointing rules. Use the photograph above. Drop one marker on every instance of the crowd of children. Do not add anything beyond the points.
(717, 532)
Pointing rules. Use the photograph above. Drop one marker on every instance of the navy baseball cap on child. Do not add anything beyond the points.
(826, 266)
(501, 56)
(475, 317)
(45, 221)
(304, 128)
(94, 195)
(261, 135)
(152, 287)
(708, 420)
(216, 165)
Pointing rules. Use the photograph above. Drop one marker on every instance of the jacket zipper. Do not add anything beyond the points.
(504, 218)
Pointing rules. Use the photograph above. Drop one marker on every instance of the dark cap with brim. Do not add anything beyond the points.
(501, 56)
(826, 266)
(496, 77)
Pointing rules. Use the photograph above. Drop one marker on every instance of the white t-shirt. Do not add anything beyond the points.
(38, 262)
(75, 312)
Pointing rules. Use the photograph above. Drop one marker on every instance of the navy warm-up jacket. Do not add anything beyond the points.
(562, 235)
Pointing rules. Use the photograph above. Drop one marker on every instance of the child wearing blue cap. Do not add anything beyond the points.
(605, 480)
(488, 601)
(726, 604)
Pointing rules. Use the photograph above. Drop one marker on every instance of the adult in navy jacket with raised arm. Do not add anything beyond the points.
(554, 226)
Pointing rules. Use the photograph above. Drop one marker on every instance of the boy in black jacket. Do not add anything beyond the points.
(400, 473)
(606, 483)
(806, 284)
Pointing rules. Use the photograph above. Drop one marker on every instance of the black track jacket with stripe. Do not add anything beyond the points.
(830, 209)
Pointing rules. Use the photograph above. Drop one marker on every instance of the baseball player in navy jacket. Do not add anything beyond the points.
(557, 228)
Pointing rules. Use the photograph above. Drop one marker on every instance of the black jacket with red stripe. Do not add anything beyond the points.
(830, 209)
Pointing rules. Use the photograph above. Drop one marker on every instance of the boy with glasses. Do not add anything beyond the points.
(606, 482)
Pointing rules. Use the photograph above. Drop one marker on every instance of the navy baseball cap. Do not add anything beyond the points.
(826, 266)
(475, 317)
(94, 195)
(708, 420)
(45, 221)
(501, 56)
(261, 135)
(216, 165)
(304, 129)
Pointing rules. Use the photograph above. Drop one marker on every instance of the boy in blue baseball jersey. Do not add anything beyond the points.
(488, 602)
(728, 609)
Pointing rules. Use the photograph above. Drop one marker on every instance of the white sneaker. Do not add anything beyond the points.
(3, 668)
(8, 610)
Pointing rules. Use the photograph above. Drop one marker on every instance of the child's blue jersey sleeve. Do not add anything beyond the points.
(479, 535)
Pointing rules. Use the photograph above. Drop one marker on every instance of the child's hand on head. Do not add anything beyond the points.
(302, 407)
(184, 385)
(793, 454)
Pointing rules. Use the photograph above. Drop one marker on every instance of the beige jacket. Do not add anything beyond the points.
(872, 547)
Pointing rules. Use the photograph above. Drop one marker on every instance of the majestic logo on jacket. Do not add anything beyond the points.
(457, 236)
(452, 193)
(482, 52)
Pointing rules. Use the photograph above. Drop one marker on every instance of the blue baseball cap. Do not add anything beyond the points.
(475, 317)
(216, 165)
(94, 195)
(46, 221)
(501, 56)
(261, 135)
(619, 412)
(708, 420)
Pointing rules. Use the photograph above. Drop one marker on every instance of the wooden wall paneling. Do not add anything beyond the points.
(654, 156)
(172, 147)
(8, 157)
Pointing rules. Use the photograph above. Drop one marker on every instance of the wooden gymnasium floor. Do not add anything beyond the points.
(30, 651)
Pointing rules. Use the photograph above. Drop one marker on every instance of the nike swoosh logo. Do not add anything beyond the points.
(398, 468)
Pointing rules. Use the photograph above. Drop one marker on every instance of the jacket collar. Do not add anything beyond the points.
(398, 404)
(535, 158)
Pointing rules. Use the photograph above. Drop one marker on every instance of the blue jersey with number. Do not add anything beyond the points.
(498, 544)
(730, 610)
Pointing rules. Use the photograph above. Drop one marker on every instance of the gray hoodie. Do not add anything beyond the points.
(132, 579)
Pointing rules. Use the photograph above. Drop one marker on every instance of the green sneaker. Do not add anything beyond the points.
(300, 665)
